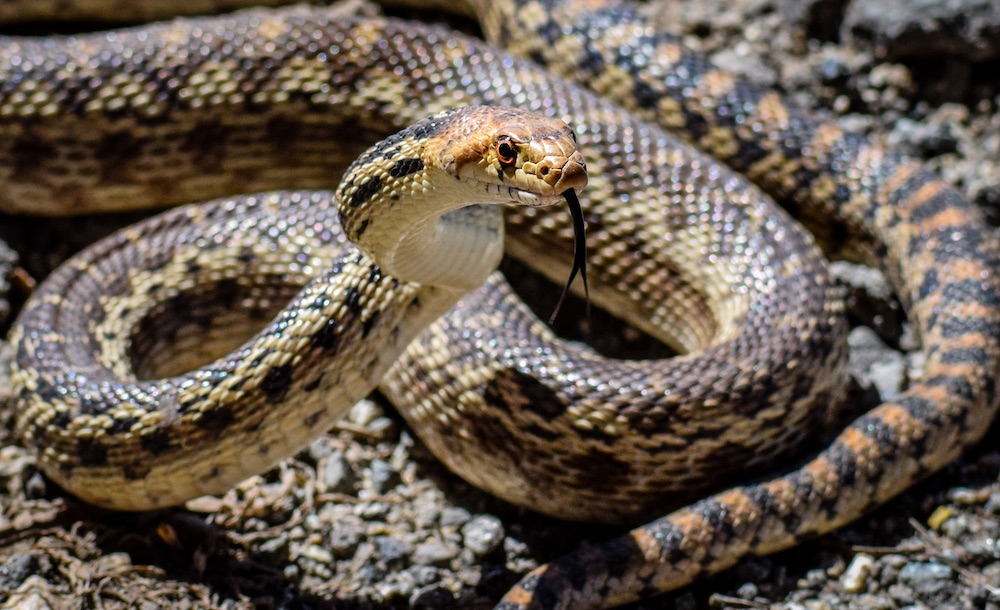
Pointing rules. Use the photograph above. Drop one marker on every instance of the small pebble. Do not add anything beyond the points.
(399, 588)
(922, 139)
(371, 511)
(381, 477)
(335, 474)
(991, 575)
(895, 560)
(363, 413)
(902, 594)
(391, 550)
(432, 598)
(434, 553)
(454, 516)
(483, 534)
(425, 575)
(315, 553)
(344, 538)
(276, 548)
(381, 427)
(926, 578)
(748, 591)
(16, 568)
(855, 578)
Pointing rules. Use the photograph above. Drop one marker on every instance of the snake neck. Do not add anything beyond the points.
(458, 249)
(430, 229)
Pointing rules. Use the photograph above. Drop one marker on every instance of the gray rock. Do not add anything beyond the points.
(814, 578)
(370, 574)
(483, 535)
(922, 139)
(425, 575)
(392, 550)
(991, 574)
(363, 413)
(381, 477)
(36, 487)
(426, 512)
(926, 578)
(344, 538)
(276, 548)
(855, 577)
(748, 591)
(873, 364)
(398, 588)
(382, 427)
(454, 516)
(894, 560)
(371, 511)
(16, 569)
(314, 554)
(902, 594)
(434, 553)
(870, 299)
(433, 598)
(832, 70)
(335, 474)
(966, 29)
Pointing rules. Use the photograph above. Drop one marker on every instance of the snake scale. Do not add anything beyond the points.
(164, 97)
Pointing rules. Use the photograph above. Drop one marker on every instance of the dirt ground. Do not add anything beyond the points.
(367, 519)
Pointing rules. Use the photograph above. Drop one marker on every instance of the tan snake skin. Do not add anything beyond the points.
(597, 438)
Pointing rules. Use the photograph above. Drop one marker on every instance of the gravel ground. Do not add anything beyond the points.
(366, 518)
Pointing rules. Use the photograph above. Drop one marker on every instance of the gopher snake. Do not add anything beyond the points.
(926, 237)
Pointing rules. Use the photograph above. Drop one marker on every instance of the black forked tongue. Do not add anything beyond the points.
(579, 253)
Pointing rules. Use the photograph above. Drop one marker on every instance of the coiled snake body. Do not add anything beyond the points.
(720, 274)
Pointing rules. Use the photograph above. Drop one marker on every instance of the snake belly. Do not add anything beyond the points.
(926, 236)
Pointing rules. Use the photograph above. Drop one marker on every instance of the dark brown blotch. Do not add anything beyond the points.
(276, 382)
(405, 167)
(135, 472)
(599, 470)
(369, 324)
(311, 419)
(92, 452)
(312, 385)
(366, 191)
(514, 389)
(327, 338)
(217, 418)
(156, 442)
(352, 299)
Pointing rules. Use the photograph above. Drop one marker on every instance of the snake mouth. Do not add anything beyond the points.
(530, 199)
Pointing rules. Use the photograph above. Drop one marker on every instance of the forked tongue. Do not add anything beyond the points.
(579, 252)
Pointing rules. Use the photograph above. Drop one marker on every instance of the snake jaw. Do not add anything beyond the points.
(521, 197)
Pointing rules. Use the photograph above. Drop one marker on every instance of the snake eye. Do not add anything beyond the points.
(506, 151)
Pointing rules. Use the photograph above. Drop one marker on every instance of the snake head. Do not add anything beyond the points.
(534, 155)
(424, 203)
